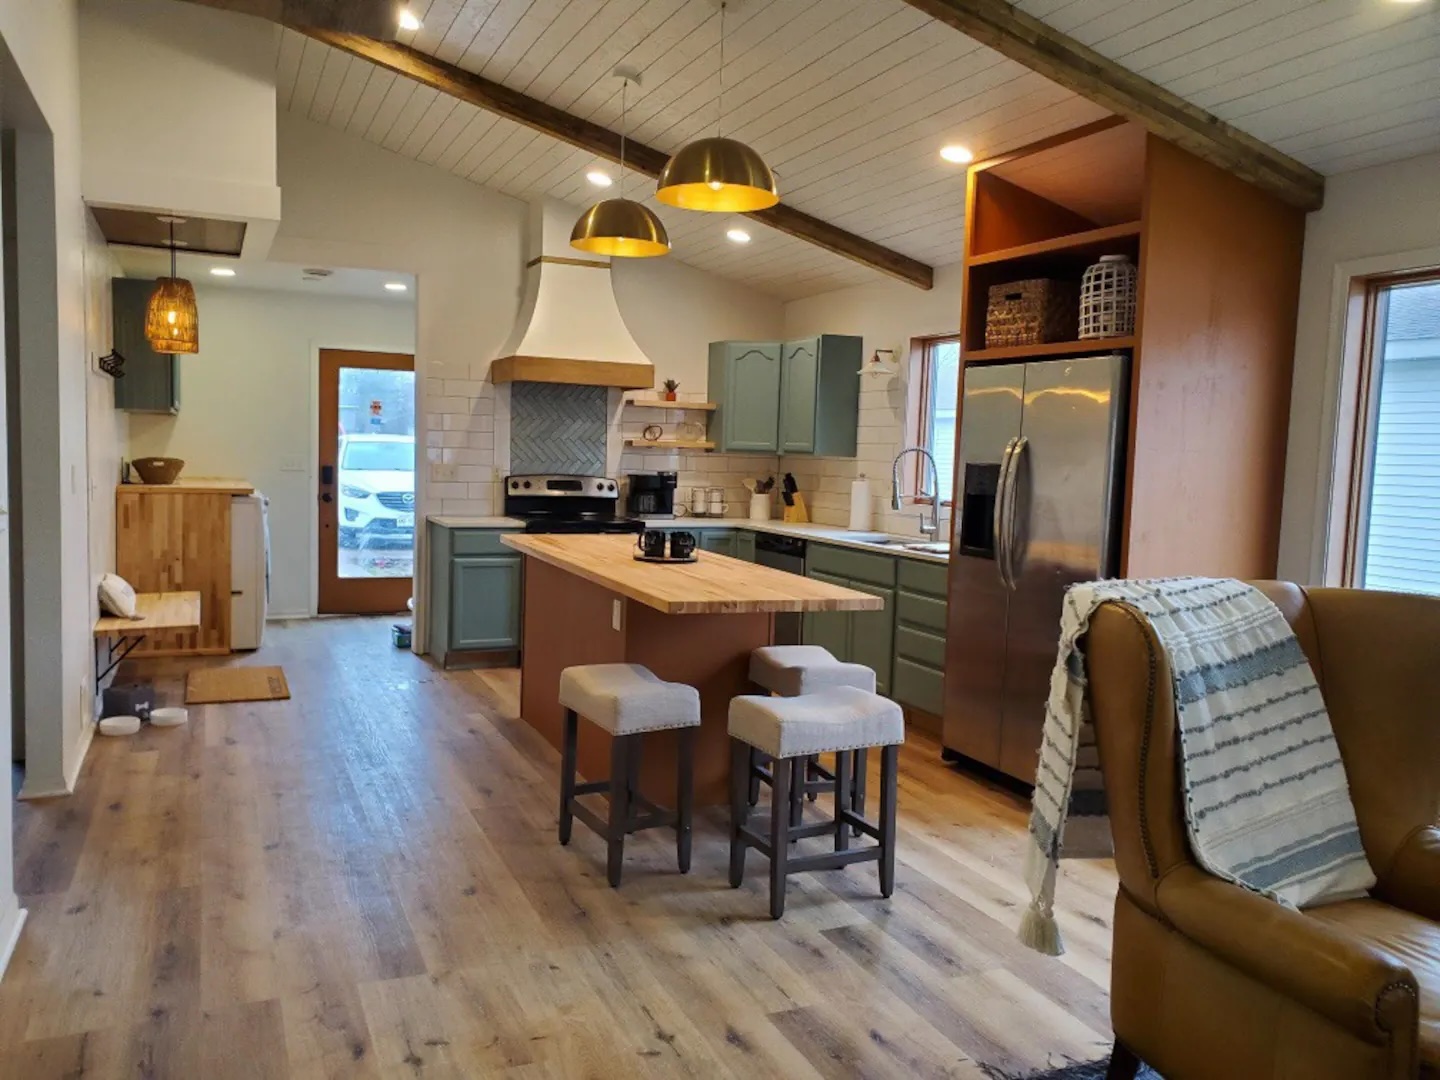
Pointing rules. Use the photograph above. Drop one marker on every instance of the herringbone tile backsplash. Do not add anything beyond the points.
(557, 429)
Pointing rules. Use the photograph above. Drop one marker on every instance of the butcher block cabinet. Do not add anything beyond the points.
(176, 538)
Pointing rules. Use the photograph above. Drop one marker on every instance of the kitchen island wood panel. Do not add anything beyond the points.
(712, 585)
(694, 623)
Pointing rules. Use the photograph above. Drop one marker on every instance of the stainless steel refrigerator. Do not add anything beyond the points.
(1039, 502)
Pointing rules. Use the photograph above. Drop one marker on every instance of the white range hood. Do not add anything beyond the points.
(570, 329)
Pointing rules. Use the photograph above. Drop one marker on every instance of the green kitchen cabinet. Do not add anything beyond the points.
(745, 387)
(485, 602)
(476, 584)
(793, 397)
(720, 541)
(872, 635)
(828, 629)
(820, 395)
(920, 610)
(151, 381)
(745, 545)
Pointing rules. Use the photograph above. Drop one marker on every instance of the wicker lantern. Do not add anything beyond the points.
(172, 319)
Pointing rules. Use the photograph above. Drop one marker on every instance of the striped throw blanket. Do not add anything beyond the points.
(1267, 805)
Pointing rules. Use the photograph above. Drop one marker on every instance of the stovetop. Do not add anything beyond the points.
(560, 503)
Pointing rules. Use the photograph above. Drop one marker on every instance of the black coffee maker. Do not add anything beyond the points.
(652, 495)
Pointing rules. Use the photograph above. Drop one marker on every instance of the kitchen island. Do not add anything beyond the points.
(588, 601)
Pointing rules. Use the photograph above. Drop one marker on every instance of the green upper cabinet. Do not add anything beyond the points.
(799, 373)
(151, 382)
(745, 385)
(793, 397)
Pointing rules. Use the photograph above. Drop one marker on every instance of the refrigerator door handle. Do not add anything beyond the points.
(1001, 521)
(1012, 497)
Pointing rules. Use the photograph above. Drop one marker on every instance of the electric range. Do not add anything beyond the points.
(557, 503)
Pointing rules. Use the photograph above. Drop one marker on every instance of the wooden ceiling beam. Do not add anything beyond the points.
(374, 18)
(1062, 59)
(602, 142)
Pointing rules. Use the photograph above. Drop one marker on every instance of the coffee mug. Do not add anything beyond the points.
(682, 545)
(651, 544)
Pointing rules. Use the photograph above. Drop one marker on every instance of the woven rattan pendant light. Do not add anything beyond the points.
(621, 227)
(718, 174)
(172, 320)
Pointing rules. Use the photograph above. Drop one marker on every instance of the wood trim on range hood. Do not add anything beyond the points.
(550, 369)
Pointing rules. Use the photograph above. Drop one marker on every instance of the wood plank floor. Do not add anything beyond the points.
(364, 881)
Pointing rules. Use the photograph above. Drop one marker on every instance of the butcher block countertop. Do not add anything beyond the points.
(713, 585)
(200, 485)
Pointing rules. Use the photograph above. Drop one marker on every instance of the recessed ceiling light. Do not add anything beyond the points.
(598, 178)
(408, 21)
(222, 271)
(396, 286)
(958, 154)
(739, 236)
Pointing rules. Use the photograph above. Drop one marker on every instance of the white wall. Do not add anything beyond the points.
(1374, 221)
(249, 404)
(107, 428)
(887, 315)
(178, 112)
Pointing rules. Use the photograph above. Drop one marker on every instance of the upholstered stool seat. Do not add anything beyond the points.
(840, 720)
(792, 670)
(628, 701)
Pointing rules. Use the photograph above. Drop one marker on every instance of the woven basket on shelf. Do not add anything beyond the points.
(1030, 312)
(1107, 298)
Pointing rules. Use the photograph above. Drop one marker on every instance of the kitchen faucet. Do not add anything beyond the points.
(932, 526)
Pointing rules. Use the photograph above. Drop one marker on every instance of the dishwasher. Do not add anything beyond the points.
(783, 553)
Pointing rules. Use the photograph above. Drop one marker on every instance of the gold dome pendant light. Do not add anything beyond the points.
(718, 174)
(621, 227)
(172, 319)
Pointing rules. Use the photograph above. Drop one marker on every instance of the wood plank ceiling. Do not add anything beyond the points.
(849, 100)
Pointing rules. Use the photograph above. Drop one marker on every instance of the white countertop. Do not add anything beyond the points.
(828, 534)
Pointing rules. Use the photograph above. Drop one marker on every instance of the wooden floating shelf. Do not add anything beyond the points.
(1088, 347)
(657, 403)
(670, 444)
(1091, 242)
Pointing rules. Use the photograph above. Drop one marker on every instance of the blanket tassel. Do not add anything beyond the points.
(1040, 931)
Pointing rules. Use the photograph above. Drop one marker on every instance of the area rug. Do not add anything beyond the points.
(1086, 1070)
(211, 686)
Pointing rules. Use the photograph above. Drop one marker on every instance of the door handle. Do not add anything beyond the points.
(998, 526)
(327, 497)
(1012, 498)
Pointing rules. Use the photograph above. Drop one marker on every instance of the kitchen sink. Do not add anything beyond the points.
(929, 547)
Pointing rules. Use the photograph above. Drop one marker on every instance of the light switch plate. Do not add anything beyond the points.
(442, 472)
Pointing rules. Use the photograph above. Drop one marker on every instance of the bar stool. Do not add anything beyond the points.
(792, 670)
(840, 720)
(628, 701)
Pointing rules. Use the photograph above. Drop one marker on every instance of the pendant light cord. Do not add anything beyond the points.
(624, 85)
(720, 98)
(172, 247)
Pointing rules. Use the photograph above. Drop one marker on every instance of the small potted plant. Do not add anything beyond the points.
(671, 385)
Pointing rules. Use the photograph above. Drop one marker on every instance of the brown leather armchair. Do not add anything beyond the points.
(1210, 981)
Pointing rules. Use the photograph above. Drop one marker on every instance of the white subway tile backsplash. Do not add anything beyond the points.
(449, 491)
(445, 403)
(466, 388)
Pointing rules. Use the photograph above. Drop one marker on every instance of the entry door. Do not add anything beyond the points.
(366, 495)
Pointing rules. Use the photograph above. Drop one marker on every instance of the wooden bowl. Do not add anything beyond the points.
(158, 470)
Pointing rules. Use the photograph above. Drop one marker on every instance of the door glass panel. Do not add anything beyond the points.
(375, 485)
(1400, 521)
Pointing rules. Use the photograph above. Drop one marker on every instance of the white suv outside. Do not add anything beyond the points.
(377, 490)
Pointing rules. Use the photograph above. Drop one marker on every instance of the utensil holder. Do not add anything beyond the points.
(760, 506)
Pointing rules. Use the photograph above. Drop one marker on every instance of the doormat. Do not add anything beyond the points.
(211, 686)
(1082, 1070)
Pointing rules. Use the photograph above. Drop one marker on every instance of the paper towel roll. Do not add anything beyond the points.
(861, 505)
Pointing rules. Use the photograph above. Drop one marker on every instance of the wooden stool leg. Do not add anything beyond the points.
(857, 790)
(684, 797)
(798, 769)
(752, 771)
(742, 758)
(567, 774)
(1124, 1065)
(812, 772)
(782, 774)
(889, 762)
(620, 750)
(842, 799)
(632, 777)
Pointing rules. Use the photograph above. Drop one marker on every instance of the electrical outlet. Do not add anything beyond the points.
(617, 613)
(443, 472)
